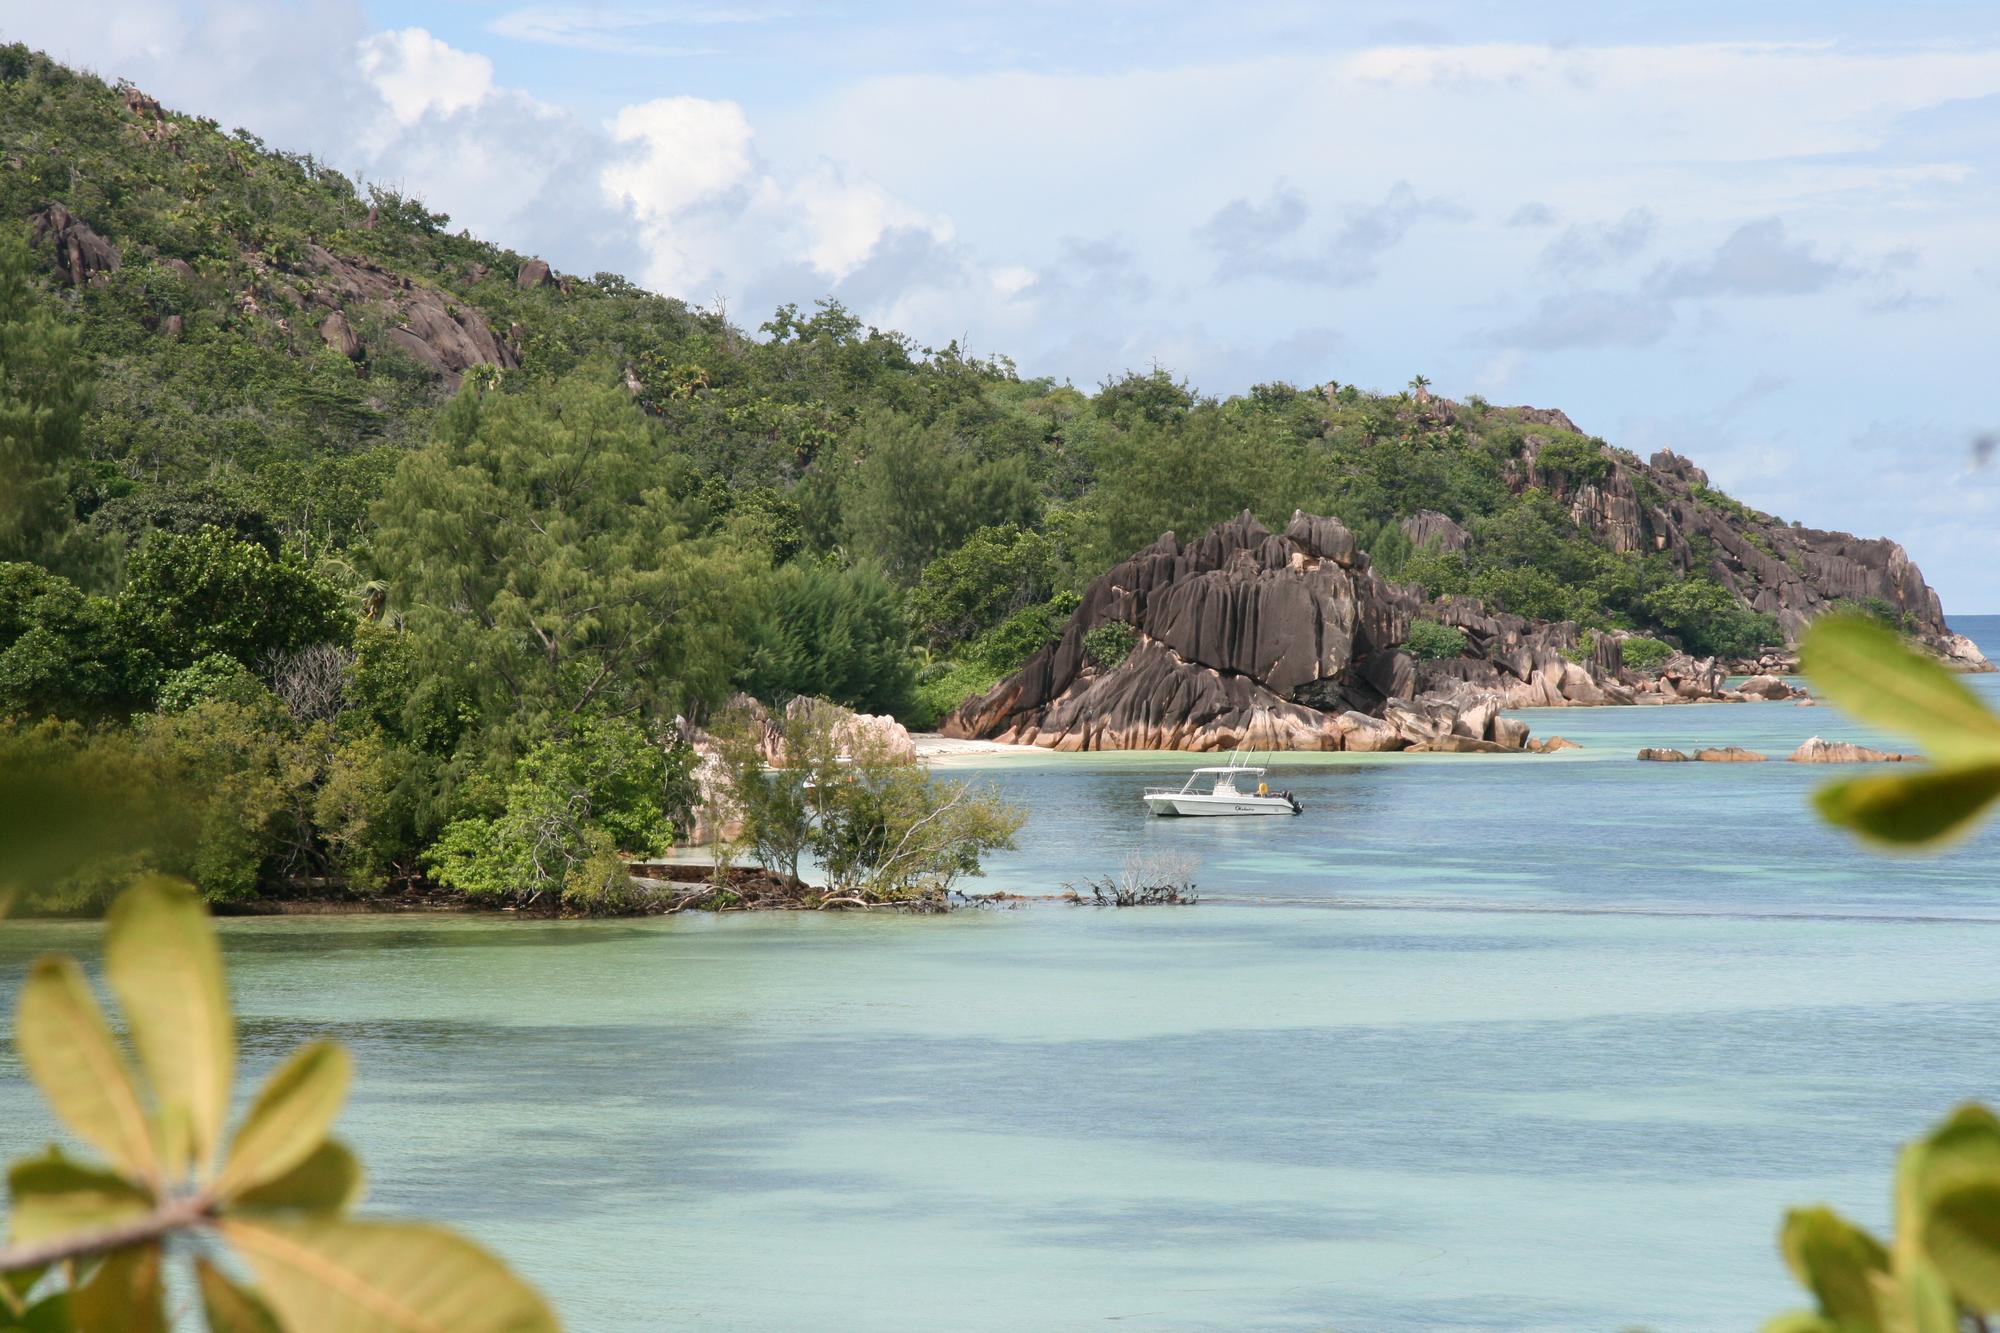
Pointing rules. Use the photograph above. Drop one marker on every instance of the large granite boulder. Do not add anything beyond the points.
(1286, 641)
(340, 336)
(1246, 637)
(1438, 532)
(81, 255)
(444, 336)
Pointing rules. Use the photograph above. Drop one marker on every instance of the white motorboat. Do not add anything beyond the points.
(1232, 789)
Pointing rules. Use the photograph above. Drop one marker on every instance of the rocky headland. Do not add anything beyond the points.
(1786, 570)
(1246, 638)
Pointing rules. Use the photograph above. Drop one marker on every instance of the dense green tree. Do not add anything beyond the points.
(1155, 478)
(540, 563)
(1709, 620)
(172, 507)
(554, 832)
(1155, 397)
(828, 632)
(916, 492)
(63, 652)
(44, 392)
(189, 595)
(995, 573)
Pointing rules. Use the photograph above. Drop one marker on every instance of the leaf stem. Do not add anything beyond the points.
(180, 1215)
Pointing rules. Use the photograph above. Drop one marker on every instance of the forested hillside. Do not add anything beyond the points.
(366, 528)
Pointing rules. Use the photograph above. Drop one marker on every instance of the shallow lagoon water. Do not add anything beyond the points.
(1477, 1042)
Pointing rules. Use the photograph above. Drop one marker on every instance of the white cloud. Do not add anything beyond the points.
(417, 74)
(711, 212)
(688, 151)
(622, 32)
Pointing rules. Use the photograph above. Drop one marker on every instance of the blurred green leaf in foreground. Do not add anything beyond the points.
(1872, 673)
(1941, 1271)
(88, 1237)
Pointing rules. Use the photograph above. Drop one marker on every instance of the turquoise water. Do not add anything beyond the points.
(1475, 1043)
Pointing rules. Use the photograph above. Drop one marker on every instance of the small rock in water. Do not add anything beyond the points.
(1659, 756)
(1729, 754)
(1821, 751)
(1765, 687)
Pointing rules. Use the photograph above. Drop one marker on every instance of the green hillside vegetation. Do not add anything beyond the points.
(357, 600)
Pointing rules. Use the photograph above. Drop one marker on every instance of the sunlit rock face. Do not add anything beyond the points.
(1787, 571)
(1233, 626)
(1290, 641)
(1283, 641)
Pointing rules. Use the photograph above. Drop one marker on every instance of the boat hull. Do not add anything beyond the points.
(1195, 806)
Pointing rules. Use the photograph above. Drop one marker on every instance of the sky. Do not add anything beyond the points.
(1760, 234)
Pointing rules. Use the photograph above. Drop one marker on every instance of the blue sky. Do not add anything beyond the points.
(1762, 235)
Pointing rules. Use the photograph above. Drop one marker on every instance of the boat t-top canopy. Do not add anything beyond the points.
(1230, 768)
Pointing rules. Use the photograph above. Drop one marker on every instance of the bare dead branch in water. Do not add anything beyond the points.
(1147, 879)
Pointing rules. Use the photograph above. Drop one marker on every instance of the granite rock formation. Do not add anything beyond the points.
(1291, 641)
(1790, 572)
(1274, 640)
(446, 337)
(81, 255)
(1429, 528)
(1821, 751)
(1233, 628)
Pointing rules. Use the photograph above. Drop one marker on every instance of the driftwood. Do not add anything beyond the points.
(1148, 879)
(671, 887)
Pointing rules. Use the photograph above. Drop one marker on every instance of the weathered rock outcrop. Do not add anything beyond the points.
(1821, 751)
(1274, 640)
(1235, 629)
(81, 255)
(340, 336)
(441, 334)
(1790, 572)
(1429, 528)
(1726, 754)
(1730, 754)
(1291, 641)
(533, 273)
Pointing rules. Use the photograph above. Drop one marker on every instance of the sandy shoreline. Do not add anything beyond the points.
(930, 745)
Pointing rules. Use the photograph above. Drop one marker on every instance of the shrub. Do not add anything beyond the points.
(880, 825)
(997, 572)
(942, 688)
(1110, 644)
(1642, 654)
(217, 676)
(1429, 641)
(1879, 610)
(572, 804)
(1581, 461)
(1708, 619)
